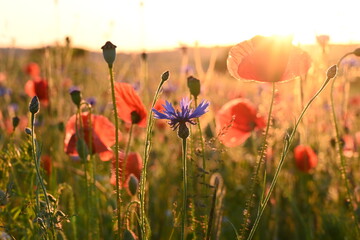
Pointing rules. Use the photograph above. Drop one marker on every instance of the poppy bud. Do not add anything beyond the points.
(357, 52)
(109, 53)
(15, 122)
(82, 149)
(76, 97)
(133, 184)
(331, 72)
(194, 86)
(34, 105)
(28, 131)
(165, 76)
(183, 131)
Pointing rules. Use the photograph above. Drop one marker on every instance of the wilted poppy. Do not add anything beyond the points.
(267, 59)
(129, 105)
(33, 70)
(133, 166)
(38, 87)
(236, 120)
(305, 158)
(102, 131)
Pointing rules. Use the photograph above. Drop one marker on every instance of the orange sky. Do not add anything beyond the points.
(136, 25)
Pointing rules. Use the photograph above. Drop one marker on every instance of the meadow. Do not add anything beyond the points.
(274, 158)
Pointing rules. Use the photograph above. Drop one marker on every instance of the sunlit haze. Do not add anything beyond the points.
(135, 25)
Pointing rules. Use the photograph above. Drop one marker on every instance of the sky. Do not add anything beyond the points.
(147, 25)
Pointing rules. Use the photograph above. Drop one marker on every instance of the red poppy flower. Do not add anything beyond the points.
(267, 59)
(129, 105)
(103, 135)
(305, 158)
(38, 87)
(133, 166)
(46, 164)
(33, 70)
(236, 120)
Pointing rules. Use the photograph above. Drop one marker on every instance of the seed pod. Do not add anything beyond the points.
(109, 53)
(34, 105)
(331, 72)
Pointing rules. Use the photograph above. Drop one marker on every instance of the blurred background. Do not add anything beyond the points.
(147, 25)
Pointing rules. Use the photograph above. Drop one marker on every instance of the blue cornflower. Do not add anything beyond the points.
(185, 115)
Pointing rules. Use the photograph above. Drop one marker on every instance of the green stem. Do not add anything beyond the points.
(123, 169)
(349, 197)
(39, 178)
(287, 143)
(184, 208)
(147, 149)
(118, 194)
(202, 148)
(258, 167)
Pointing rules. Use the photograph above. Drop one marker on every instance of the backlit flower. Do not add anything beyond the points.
(267, 59)
(38, 87)
(101, 129)
(236, 120)
(129, 105)
(182, 116)
(305, 158)
(133, 166)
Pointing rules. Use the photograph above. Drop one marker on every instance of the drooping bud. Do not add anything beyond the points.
(183, 131)
(76, 97)
(165, 76)
(15, 122)
(109, 53)
(332, 71)
(133, 184)
(357, 52)
(34, 105)
(194, 86)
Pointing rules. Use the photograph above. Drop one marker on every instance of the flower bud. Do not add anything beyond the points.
(194, 86)
(34, 105)
(183, 131)
(15, 122)
(165, 76)
(109, 53)
(133, 184)
(76, 97)
(331, 72)
(357, 52)
(28, 131)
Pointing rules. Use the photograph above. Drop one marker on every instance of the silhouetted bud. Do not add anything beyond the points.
(357, 52)
(34, 105)
(109, 53)
(133, 184)
(331, 72)
(28, 131)
(194, 86)
(76, 97)
(183, 131)
(165, 76)
(15, 122)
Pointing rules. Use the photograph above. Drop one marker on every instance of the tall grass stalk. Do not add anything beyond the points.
(150, 124)
(184, 207)
(287, 144)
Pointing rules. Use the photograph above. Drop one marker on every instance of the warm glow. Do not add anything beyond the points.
(158, 24)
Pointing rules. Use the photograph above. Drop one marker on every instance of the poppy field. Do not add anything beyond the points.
(259, 140)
